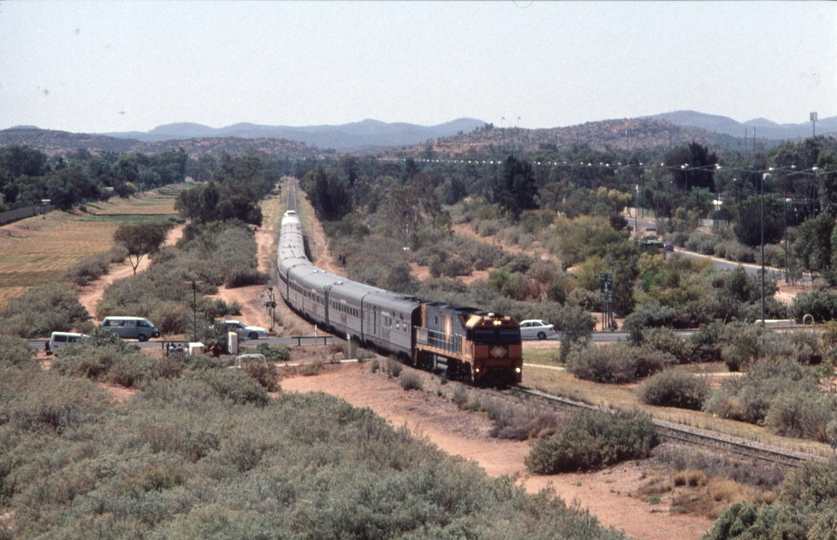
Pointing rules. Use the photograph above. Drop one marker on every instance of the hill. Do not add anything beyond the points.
(465, 137)
(62, 143)
(346, 137)
(765, 129)
(616, 135)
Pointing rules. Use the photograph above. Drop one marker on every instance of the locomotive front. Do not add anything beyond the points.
(494, 346)
(470, 344)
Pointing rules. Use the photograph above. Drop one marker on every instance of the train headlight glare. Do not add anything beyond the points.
(517, 370)
(477, 370)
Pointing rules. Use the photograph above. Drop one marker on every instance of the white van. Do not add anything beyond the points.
(131, 327)
(59, 340)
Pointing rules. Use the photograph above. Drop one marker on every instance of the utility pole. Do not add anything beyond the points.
(814, 122)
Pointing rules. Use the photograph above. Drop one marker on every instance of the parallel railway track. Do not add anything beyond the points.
(694, 436)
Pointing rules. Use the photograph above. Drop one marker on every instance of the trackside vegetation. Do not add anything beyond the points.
(205, 454)
(208, 255)
(807, 510)
(593, 439)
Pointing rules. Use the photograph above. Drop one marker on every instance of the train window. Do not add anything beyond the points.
(483, 336)
(509, 335)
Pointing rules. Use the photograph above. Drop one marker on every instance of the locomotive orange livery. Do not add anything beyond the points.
(472, 345)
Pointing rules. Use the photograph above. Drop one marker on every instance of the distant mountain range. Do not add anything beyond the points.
(346, 137)
(462, 137)
(764, 129)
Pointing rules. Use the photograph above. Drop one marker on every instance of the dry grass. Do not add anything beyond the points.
(37, 250)
(157, 202)
(691, 478)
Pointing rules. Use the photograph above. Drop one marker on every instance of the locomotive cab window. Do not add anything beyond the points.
(483, 336)
(509, 335)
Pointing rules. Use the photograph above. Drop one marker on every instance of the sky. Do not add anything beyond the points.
(97, 67)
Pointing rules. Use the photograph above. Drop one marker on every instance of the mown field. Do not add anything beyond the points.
(37, 250)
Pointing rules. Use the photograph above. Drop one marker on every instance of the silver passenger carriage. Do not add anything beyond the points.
(389, 319)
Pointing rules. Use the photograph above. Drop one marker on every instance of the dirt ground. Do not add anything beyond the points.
(611, 494)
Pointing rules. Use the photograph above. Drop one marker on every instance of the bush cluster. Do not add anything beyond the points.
(616, 364)
(42, 310)
(264, 373)
(821, 305)
(807, 510)
(729, 249)
(105, 357)
(205, 454)
(674, 388)
(593, 439)
(274, 353)
(780, 394)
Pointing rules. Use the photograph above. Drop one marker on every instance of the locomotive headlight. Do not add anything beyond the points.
(517, 370)
(477, 370)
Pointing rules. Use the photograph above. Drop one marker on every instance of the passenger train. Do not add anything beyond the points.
(471, 345)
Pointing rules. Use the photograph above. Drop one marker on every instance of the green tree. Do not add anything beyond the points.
(140, 240)
(748, 224)
(329, 195)
(813, 247)
(692, 166)
(515, 187)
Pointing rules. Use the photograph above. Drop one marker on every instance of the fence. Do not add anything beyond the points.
(25, 212)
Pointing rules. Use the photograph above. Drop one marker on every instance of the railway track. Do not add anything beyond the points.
(692, 435)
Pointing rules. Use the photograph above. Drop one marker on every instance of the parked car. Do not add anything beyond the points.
(245, 331)
(59, 340)
(131, 327)
(536, 328)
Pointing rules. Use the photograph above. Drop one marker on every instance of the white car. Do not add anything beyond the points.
(244, 331)
(536, 328)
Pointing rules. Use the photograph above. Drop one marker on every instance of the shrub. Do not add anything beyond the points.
(105, 357)
(749, 398)
(806, 511)
(706, 342)
(719, 465)
(231, 384)
(310, 369)
(460, 395)
(666, 341)
(241, 277)
(43, 310)
(801, 414)
(16, 352)
(274, 353)
(821, 305)
(488, 228)
(649, 316)
(264, 373)
(95, 266)
(394, 367)
(674, 388)
(616, 364)
(411, 380)
(593, 439)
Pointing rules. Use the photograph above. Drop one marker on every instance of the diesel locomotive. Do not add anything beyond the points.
(471, 345)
